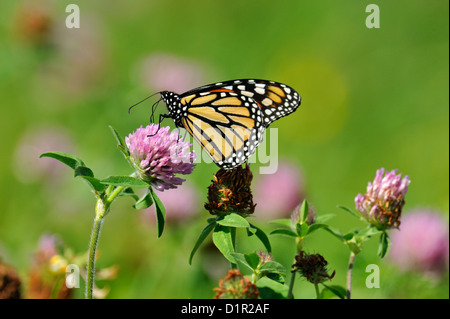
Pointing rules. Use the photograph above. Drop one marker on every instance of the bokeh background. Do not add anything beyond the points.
(371, 98)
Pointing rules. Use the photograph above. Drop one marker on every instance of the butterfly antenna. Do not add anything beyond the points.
(129, 109)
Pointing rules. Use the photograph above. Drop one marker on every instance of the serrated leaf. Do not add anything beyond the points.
(205, 232)
(160, 211)
(223, 241)
(262, 237)
(68, 159)
(144, 202)
(284, 232)
(233, 220)
(126, 181)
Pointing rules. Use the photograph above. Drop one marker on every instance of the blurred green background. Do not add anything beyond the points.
(371, 98)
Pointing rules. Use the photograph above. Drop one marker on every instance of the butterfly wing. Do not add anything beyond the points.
(228, 126)
(228, 119)
(275, 99)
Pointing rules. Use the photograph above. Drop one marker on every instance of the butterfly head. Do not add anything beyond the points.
(171, 99)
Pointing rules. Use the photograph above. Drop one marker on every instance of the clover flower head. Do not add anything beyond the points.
(158, 155)
(385, 197)
(313, 267)
(421, 244)
(236, 286)
(230, 192)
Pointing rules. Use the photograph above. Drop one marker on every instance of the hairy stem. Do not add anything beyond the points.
(100, 211)
(351, 261)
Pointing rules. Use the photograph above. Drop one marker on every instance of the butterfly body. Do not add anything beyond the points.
(229, 118)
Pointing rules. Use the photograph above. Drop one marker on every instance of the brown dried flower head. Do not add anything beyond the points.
(236, 286)
(313, 267)
(9, 283)
(230, 192)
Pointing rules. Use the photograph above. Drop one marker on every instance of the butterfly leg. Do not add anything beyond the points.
(161, 118)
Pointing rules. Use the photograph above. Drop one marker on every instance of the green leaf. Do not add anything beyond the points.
(250, 261)
(126, 181)
(270, 289)
(205, 232)
(302, 229)
(120, 142)
(117, 136)
(128, 192)
(333, 290)
(144, 202)
(262, 237)
(223, 241)
(83, 171)
(384, 245)
(94, 183)
(283, 222)
(160, 211)
(324, 218)
(348, 210)
(315, 227)
(277, 277)
(233, 220)
(68, 159)
(284, 232)
(273, 267)
(251, 231)
(369, 231)
(348, 236)
(304, 212)
(335, 232)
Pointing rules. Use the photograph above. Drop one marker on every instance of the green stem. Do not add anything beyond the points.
(233, 240)
(299, 243)
(101, 209)
(351, 261)
(291, 285)
(317, 291)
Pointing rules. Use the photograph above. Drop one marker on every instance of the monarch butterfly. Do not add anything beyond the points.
(229, 118)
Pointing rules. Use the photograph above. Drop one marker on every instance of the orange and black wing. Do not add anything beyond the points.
(229, 119)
